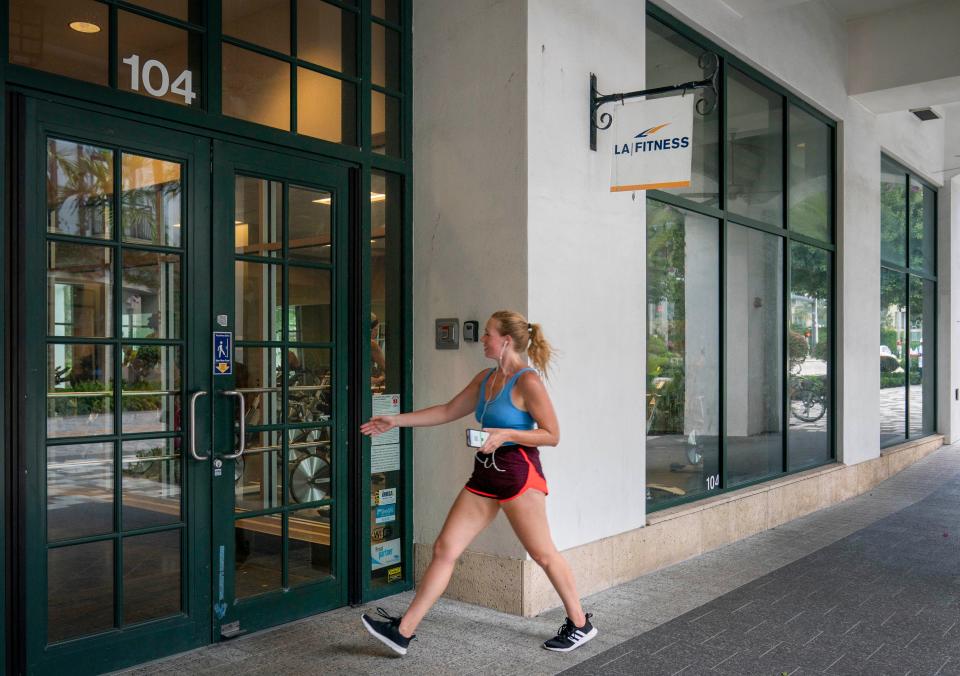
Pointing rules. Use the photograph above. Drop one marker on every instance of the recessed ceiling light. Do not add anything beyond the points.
(84, 27)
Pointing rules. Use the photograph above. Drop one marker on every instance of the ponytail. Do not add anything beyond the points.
(540, 351)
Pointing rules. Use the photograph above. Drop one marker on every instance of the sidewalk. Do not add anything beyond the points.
(870, 586)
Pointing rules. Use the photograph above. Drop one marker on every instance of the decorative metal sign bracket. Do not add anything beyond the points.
(709, 62)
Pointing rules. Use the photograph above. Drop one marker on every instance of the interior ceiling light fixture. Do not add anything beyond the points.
(84, 27)
(374, 197)
(925, 114)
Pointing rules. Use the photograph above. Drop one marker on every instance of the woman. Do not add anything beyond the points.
(513, 407)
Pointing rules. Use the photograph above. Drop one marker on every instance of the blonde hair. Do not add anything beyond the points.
(526, 337)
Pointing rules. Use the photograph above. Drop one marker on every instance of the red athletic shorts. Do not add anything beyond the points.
(521, 471)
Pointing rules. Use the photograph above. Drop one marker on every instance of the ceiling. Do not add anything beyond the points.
(856, 9)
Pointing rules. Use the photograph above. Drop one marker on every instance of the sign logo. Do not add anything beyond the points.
(644, 145)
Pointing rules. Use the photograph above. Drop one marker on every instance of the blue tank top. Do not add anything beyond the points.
(501, 412)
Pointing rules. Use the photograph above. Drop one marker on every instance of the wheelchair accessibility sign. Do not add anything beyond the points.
(222, 353)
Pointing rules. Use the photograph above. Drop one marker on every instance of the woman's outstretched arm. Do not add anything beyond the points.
(456, 408)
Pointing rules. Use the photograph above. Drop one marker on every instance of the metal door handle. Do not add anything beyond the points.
(243, 424)
(193, 425)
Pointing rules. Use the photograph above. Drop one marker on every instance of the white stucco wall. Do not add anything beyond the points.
(512, 209)
(586, 262)
(470, 235)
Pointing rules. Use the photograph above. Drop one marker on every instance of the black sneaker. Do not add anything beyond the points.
(570, 637)
(387, 632)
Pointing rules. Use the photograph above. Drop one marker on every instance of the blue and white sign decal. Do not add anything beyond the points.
(652, 144)
(222, 353)
(385, 554)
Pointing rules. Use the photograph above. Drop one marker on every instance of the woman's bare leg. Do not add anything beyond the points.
(528, 516)
(469, 515)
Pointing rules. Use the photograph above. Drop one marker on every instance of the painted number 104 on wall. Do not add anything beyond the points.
(154, 77)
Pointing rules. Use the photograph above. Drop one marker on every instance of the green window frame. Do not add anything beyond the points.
(792, 237)
(393, 157)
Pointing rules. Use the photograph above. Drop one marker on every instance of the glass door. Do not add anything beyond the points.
(115, 517)
(279, 292)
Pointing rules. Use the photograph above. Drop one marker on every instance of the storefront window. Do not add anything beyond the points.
(739, 287)
(893, 213)
(893, 324)
(907, 306)
(754, 358)
(811, 175)
(683, 353)
(808, 357)
(755, 150)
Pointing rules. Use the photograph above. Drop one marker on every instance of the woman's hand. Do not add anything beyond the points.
(495, 440)
(379, 424)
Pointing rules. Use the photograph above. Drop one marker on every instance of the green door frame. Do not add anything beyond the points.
(191, 628)
(230, 159)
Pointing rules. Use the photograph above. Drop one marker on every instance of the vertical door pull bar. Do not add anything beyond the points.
(193, 425)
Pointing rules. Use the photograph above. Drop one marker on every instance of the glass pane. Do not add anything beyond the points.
(151, 295)
(755, 138)
(893, 329)
(327, 36)
(79, 490)
(326, 107)
(385, 61)
(79, 290)
(258, 294)
(259, 553)
(79, 590)
(151, 482)
(310, 461)
(79, 189)
(151, 389)
(386, 9)
(79, 390)
(150, 205)
(309, 548)
(151, 576)
(922, 392)
(671, 58)
(310, 395)
(255, 87)
(258, 473)
(262, 22)
(386, 222)
(67, 37)
(683, 361)
(258, 373)
(893, 212)
(309, 316)
(385, 131)
(158, 60)
(754, 375)
(809, 357)
(185, 10)
(258, 215)
(811, 177)
(923, 223)
(310, 224)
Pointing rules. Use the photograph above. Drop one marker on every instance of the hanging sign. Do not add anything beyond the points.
(222, 353)
(652, 146)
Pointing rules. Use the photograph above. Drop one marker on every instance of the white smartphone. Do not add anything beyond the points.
(476, 438)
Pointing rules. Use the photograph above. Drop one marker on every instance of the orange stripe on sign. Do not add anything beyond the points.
(650, 186)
